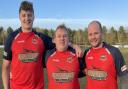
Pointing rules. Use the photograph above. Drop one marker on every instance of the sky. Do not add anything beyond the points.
(76, 14)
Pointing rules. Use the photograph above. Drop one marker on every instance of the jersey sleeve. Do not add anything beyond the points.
(8, 43)
(47, 42)
(46, 56)
(83, 58)
(120, 64)
(82, 64)
(7, 48)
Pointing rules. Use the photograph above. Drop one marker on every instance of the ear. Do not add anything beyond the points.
(53, 40)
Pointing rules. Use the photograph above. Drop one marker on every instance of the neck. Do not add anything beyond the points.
(99, 46)
(27, 30)
(61, 50)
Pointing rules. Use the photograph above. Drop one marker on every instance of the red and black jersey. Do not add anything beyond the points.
(102, 67)
(25, 51)
(62, 69)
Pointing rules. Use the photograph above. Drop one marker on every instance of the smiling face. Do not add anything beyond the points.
(61, 39)
(95, 35)
(26, 19)
(26, 16)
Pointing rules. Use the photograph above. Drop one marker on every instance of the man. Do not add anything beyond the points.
(103, 62)
(24, 49)
(62, 63)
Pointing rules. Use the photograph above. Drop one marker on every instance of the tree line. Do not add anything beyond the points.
(79, 36)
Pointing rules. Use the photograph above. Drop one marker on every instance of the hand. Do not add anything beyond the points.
(85, 71)
(78, 50)
(10, 75)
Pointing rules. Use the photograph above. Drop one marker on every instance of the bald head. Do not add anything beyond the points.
(95, 34)
(95, 24)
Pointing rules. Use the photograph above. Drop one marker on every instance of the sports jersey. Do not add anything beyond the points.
(62, 69)
(102, 67)
(25, 51)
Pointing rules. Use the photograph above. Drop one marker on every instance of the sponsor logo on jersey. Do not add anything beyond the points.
(97, 74)
(69, 60)
(63, 76)
(28, 56)
(103, 57)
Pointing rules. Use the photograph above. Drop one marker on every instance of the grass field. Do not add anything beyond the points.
(82, 80)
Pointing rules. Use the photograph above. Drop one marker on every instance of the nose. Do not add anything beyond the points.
(62, 37)
(27, 17)
(93, 36)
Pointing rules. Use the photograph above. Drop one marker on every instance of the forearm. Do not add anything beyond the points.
(78, 50)
(6, 76)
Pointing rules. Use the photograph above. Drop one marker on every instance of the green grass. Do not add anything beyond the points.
(82, 80)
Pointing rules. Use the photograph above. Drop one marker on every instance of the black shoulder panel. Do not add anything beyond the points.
(118, 59)
(8, 43)
(47, 41)
(47, 54)
(82, 64)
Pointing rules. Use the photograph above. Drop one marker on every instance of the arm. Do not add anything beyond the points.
(7, 60)
(6, 74)
(78, 50)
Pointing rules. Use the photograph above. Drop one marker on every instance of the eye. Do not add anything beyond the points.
(30, 15)
(96, 33)
(58, 36)
(23, 15)
(65, 35)
(90, 34)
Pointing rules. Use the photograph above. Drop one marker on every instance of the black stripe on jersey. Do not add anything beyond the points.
(8, 44)
(118, 59)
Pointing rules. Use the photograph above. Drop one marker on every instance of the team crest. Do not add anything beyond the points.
(70, 59)
(34, 41)
(103, 57)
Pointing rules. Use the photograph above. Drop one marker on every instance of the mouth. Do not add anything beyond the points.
(62, 43)
(27, 22)
(93, 41)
